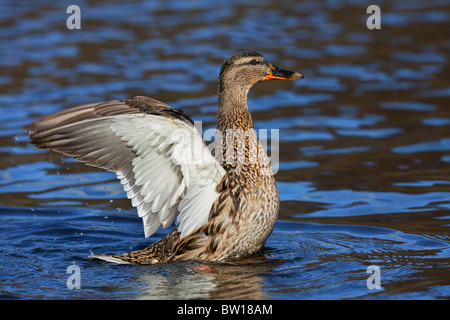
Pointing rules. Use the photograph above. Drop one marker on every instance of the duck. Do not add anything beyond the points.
(221, 197)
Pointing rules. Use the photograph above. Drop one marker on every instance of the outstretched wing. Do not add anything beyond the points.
(158, 155)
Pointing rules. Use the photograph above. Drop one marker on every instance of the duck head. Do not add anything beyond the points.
(246, 68)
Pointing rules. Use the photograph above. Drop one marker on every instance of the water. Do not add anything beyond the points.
(364, 145)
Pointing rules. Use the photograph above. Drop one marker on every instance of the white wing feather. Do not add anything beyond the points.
(172, 171)
(162, 163)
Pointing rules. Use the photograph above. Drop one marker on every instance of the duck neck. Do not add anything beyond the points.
(235, 123)
(233, 112)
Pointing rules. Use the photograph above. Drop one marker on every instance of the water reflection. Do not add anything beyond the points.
(197, 280)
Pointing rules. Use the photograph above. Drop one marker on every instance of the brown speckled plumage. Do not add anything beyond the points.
(245, 211)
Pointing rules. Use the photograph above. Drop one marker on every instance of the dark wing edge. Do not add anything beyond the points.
(136, 105)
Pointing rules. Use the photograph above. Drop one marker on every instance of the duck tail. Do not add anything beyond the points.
(160, 251)
(113, 259)
(149, 255)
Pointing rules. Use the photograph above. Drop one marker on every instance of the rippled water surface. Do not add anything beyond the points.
(364, 171)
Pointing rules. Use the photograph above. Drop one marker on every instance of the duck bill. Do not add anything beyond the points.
(278, 73)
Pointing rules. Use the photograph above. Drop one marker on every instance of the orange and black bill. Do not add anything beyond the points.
(278, 73)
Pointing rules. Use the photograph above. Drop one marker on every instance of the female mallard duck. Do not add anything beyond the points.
(227, 201)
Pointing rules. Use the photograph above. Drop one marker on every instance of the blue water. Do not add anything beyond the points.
(364, 151)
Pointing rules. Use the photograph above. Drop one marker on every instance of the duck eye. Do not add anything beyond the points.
(253, 62)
